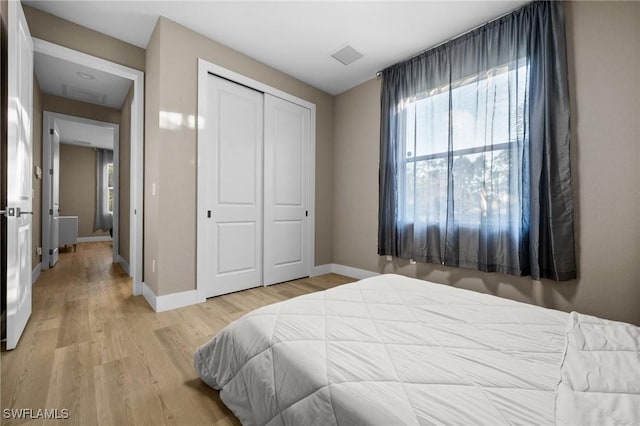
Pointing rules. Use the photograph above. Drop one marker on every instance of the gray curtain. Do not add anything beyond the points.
(104, 218)
(474, 152)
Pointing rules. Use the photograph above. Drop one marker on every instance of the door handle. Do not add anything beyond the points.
(20, 212)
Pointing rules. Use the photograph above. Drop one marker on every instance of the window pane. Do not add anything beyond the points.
(110, 175)
(432, 116)
(431, 191)
(110, 200)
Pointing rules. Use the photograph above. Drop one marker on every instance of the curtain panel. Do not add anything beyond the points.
(474, 151)
(104, 218)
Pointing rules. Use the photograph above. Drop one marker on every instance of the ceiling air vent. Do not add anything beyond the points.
(83, 95)
(347, 55)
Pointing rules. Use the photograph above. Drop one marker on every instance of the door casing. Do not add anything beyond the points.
(137, 145)
(49, 120)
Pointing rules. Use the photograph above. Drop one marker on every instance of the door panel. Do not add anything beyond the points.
(234, 187)
(237, 150)
(290, 235)
(288, 128)
(233, 239)
(286, 190)
(19, 165)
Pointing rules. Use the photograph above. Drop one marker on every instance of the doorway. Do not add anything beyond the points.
(80, 186)
(134, 201)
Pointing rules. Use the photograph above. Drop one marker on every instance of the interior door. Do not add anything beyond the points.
(19, 165)
(233, 187)
(286, 190)
(54, 209)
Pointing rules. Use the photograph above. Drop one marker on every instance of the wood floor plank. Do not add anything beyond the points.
(100, 352)
(19, 390)
(72, 384)
(74, 325)
(112, 390)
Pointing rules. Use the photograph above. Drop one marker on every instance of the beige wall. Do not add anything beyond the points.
(78, 187)
(170, 155)
(151, 227)
(65, 33)
(36, 223)
(604, 56)
(79, 109)
(124, 177)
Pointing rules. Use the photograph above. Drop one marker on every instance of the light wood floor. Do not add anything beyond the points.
(103, 354)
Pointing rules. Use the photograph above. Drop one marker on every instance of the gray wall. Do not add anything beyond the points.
(604, 57)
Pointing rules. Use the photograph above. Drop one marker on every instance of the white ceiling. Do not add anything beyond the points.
(84, 134)
(297, 38)
(62, 78)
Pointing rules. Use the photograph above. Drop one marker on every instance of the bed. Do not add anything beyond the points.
(392, 350)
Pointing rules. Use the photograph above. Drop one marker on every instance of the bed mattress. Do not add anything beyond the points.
(389, 350)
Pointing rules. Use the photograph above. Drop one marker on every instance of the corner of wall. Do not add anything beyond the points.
(151, 130)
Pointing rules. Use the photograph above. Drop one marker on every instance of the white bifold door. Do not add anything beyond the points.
(253, 186)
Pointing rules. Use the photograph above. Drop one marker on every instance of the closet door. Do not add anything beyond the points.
(286, 190)
(234, 144)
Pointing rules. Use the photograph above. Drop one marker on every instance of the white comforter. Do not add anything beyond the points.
(600, 376)
(389, 350)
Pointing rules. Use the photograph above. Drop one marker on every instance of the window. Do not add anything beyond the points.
(105, 187)
(486, 130)
(474, 150)
(110, 187)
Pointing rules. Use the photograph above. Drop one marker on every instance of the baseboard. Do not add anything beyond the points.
(150, 296)
(138, 288)
(322, 270)
(36, 273)
(124, 264)
(95, 239)
(343, 270)
(169, 301)
(186, 298)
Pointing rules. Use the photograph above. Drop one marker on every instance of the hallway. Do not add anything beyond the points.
(94, 349)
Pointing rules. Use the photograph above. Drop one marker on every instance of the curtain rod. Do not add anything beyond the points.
(379, 73)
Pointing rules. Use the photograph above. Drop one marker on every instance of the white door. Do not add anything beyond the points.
(54, 208)
(19, 165)
(232, 188)
(286, 190)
